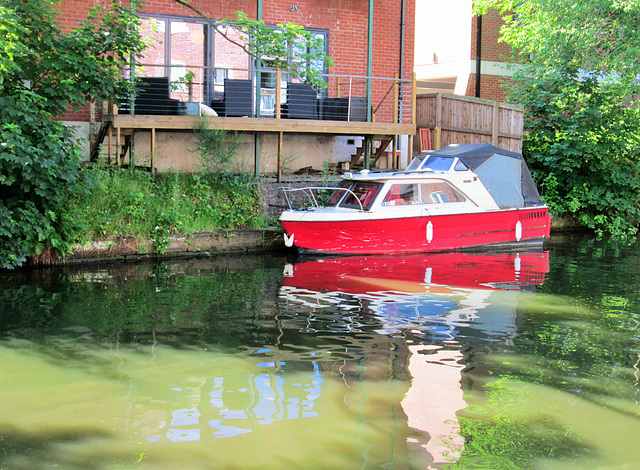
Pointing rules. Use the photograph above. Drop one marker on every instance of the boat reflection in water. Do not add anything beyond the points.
(436, 306)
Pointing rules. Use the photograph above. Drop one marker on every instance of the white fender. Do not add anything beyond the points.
(288, 241)
(288, 270)
(429, 232)
(518, 231)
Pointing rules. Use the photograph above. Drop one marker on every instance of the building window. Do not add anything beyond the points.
(181, 45)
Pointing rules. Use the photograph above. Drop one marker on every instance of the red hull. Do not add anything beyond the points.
(413, 273)
(410, 235)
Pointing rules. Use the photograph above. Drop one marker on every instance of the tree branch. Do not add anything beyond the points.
(244, 47)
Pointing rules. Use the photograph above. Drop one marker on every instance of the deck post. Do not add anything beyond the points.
(118, 146)
(280, 138)
(367, 152)
(495, 126)
(153, 147)
(110, 140)
(437, 130)
(256, 156)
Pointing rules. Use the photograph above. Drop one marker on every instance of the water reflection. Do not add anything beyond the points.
(439, 361)
(433, 301)
(435, 297)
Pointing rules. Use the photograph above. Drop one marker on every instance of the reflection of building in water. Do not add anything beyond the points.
(233, 404)
(431, 404)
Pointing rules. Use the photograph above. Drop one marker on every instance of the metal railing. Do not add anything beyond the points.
(227, 92)
(308, 191)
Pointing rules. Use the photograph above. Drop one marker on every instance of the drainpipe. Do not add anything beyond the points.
(257, 134)
(401, 67)
(478, 53)
(401, 74)
(132, 143)
(369, 73)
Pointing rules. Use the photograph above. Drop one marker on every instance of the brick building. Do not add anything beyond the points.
(446, 57)
(365, 59)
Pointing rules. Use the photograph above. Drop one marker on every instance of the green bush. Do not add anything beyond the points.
(583, 149)
(43, 70)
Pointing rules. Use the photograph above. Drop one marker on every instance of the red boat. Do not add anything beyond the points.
(460, 197)
(420, 273)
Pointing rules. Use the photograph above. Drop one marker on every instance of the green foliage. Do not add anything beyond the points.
(596, 35)
(498, 436)
(288, 47)
(217, 147)
(583, 149)
(577, 78)
(133, 203)
(42, 71)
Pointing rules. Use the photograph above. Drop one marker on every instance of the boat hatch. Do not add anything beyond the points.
(436, 163)
(360, 194)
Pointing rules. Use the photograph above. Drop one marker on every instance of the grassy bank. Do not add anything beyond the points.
(134, 203)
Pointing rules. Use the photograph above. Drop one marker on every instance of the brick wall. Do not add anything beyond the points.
(345, 20)
(492, 51)
(490, 87)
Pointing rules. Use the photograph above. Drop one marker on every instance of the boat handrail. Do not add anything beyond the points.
(308, 191)
(405, 172)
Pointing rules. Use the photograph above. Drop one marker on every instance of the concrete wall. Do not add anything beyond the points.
(178, 151)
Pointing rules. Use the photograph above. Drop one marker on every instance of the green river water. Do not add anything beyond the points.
(275, 362)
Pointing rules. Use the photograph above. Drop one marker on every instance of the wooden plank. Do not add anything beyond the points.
(495, 126)
(178, 123)
(467, 130)
(470, 99)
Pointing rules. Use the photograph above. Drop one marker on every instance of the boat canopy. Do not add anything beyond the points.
(504, 173)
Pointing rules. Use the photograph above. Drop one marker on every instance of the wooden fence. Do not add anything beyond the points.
(443, 119)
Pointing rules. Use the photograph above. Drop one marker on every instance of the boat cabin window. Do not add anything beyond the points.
(434, 192)
(401, 195)
(460, 166)
(440, 192)
(364, 192)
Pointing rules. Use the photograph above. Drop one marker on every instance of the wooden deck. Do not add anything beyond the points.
(126, 122)
(118, 129)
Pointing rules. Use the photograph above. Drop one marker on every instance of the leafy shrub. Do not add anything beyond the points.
(42, 71)
(583, 149)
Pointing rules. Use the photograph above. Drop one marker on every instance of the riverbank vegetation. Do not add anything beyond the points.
(135, 203)
(43, 71)
(576, 73)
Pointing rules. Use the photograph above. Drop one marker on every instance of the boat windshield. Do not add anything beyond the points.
(360, 193)
(437, 163)
(415, 163)
(431, 162)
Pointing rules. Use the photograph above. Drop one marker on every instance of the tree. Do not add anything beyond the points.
(577, 76)
(287, 47)
(44, 70)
